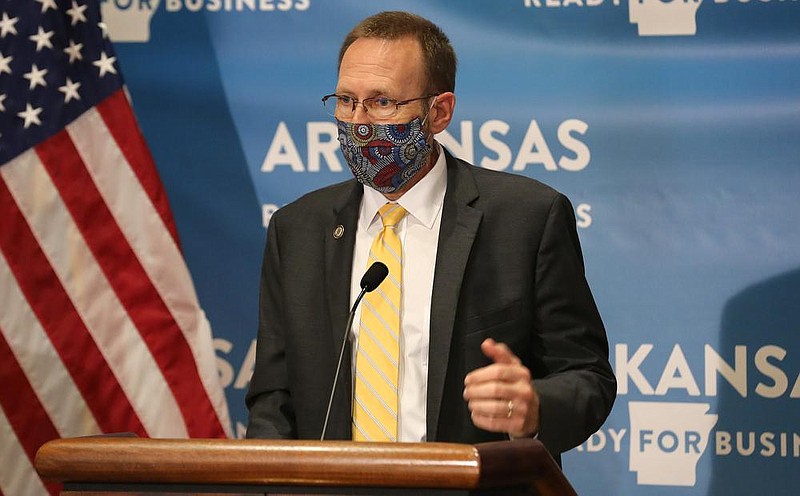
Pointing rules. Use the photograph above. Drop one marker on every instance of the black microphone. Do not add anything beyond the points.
(372, 278)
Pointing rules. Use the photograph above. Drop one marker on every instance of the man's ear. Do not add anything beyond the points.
(441, 112)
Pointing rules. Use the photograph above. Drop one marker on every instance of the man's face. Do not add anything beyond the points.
(393, 69)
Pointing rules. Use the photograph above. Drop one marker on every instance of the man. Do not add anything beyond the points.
(497, 331)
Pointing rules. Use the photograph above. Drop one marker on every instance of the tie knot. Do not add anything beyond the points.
(391, 214)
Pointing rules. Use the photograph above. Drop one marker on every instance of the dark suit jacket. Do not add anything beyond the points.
(508, 266)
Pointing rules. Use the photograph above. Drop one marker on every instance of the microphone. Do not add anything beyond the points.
(372, 278)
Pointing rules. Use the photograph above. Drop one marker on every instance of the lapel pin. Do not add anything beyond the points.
(338, 232)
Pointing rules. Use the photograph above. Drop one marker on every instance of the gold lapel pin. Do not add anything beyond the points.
(338, 232)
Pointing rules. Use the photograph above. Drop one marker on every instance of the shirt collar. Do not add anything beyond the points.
(423, 201)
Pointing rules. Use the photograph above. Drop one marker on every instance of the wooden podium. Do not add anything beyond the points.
(131, 465)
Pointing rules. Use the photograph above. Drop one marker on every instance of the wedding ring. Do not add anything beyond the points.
(510, 408)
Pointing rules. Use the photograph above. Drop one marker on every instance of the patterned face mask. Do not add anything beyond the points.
(384, 156)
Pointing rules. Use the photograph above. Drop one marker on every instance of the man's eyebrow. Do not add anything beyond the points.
(372, 94)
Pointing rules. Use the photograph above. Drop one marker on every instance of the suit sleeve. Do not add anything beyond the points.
(268, 400)
(578, 388)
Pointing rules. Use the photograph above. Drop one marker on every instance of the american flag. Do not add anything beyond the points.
(100, 328)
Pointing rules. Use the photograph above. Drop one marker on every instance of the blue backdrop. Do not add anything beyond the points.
(671, 125)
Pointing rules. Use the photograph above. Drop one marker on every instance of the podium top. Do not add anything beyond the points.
(298, 463)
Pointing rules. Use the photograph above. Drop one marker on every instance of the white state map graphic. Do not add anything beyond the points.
(667, 440)
(664, 17)
(128, 21)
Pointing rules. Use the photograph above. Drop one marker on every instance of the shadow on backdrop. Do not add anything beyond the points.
(761, 316)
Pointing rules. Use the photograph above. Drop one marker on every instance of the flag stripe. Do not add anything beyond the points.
(121, 123)
(18, 475)
(160, 257)
(22, 407)
(63, 325)
(95, 301)
(129, 280)
(54, 386)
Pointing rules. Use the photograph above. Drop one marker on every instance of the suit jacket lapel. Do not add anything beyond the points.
(339, 243)
(459, 227)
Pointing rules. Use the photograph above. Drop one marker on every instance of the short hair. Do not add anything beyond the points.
(437, 52)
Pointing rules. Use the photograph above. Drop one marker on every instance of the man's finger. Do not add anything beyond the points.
(492, 390)
(498, 352)
(498, 372)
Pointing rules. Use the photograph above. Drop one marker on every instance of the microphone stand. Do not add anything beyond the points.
(341, 356)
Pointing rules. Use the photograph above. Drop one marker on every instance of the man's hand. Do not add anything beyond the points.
(501, 396)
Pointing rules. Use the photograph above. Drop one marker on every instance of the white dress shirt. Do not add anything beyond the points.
(419, 235)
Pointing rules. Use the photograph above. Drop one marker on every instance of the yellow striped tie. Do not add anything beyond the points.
(377, 359)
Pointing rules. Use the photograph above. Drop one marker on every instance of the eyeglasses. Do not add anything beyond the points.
(380, 107)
